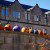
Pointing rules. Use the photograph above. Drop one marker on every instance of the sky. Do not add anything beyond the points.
(42, 3)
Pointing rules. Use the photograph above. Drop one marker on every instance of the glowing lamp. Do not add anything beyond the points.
(17, 28)
(8, 27)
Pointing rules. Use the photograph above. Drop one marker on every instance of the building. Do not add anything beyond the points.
(24, 15)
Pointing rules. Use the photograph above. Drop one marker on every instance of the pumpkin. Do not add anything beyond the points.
(1, 27)
(30, 30)
(23, 29)
(17, 28)
(8, 27)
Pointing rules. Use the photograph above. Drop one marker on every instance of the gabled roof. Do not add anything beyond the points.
(44, 10)
(8, 3)
(25, 6)
(5, 3)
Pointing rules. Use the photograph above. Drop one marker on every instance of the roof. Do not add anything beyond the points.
(8, 3)
(5, 3)
(25, 6)
(44, 10)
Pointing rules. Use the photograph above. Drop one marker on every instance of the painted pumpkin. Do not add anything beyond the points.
(27, 30)
(8, 27)
(35, 31)
(41, 33)
(23, 29)
(17, 28)
(1, 27)
(30, 30)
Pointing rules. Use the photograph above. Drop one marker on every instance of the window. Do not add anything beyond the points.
(16, 14)
(6, 11)
(3, 11)
(27, 16)
(37, 18)
(46, 18)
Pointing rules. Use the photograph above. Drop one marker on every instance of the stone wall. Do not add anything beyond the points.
(10, 40)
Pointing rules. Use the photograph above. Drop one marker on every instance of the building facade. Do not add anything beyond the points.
(24, 15)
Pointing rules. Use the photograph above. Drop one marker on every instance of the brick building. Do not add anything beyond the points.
(24, 15)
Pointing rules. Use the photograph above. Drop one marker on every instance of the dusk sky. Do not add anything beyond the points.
(42, 3)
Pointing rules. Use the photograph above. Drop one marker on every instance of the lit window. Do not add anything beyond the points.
(16, 14)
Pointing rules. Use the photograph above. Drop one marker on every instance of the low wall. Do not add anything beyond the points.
(10, 40)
